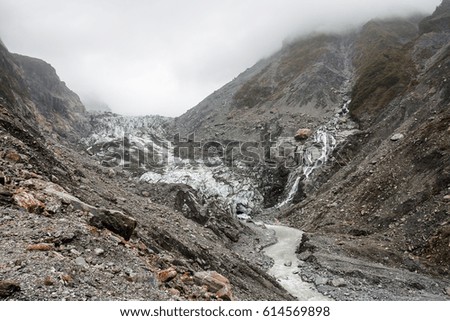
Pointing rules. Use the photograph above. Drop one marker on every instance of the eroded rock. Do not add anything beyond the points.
(81, 262)
(397, 137)
(115, 221)
(167, 275)
(339, 283)
(29, 202)
(216, 283)
(303, 134)
(12, 156)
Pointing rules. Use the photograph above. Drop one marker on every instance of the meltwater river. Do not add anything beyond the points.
(286, 264)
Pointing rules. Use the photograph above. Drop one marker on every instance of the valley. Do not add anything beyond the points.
(320, 173)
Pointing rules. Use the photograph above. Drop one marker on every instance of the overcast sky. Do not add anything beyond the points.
(163, 57)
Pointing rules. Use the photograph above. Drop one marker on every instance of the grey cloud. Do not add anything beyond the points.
(163, 57)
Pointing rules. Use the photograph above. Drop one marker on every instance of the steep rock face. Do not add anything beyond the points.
(384, 70)
(56, 103)
(439, 21)
(303, 83)
(13, 89)
(32, 91)
(386, 192)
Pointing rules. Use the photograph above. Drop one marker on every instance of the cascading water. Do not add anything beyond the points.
(326, 142)
(315, 154)
(142, 143)
(291, 194)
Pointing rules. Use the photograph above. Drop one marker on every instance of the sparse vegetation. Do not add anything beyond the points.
(384, 67)
(296, 58)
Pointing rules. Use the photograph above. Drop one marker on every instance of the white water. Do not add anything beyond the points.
(314, 157)
(286, 263)
(317, 152)
(327, 143)
(291, 194)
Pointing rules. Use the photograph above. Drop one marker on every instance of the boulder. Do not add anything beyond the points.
(167, 275)
(112, 220)
(303, 134)
(397, 137)
(81, 262)
(339, 283)
(216, 283)
(115, 221)
(29, 202)
(55, 195)
(7, 288)
(320, 280)
(12, 156)
(99, 251)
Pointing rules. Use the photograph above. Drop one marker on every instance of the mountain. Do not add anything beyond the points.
(74, 229)
(343, 136)
(31, 87)
(94, 104)
(306, 81)
(439, 21)
(382, 195)
(386, 197)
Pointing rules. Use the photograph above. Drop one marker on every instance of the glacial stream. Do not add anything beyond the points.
(285, 268)
(233, 189)
(317, 152)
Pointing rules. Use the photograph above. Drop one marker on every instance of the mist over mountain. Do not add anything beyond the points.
(165, 57)
(338, 138)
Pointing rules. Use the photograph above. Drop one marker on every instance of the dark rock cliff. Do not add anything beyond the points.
(32, 91)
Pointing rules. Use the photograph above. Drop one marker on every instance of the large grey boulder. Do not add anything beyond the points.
(115, 221)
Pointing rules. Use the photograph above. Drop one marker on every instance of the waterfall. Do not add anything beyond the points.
(327, 143)
(315, 155)
(291, 194)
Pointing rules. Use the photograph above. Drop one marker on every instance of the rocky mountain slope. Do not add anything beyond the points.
(344, 136)
(33, 92)
(384, 196)
(386, 199)
(73, 229)
(304, 83)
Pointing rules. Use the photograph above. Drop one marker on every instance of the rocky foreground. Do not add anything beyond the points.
(57, 247)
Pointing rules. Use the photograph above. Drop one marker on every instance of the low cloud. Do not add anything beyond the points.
(163, 57)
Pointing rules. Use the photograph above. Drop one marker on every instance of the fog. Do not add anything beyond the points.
(163, 57)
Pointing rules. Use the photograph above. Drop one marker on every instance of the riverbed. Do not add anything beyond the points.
(286, 265)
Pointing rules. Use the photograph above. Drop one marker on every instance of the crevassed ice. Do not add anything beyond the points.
(212, 183)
